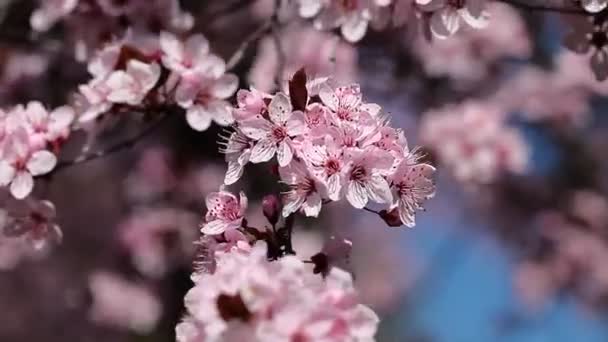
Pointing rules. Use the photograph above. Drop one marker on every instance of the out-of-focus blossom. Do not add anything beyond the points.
(594, 6)
(152, 176)
(245, 287)
(351, 16)
(159, 239)
(471, 55)
(318, 52)
(21, 162)
(88, 22)
(32, 220)
(123, 304)
(474, 142)
(447, 16)
(542, 96)
(47, 127)
(589, 36)
(225, 212)
(127, 74)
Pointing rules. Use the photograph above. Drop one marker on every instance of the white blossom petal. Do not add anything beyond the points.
(22, 185)
(41, 162)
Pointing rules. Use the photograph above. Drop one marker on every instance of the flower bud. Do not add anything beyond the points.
(391, 218)
(271, 208)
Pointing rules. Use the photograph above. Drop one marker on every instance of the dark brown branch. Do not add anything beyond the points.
(237, 56)
(122, 145)
(559, 6)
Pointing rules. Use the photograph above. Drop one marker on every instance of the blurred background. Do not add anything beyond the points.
(512, 248)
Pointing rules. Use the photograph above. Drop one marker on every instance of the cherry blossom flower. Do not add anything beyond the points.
(225, 212)
(365, 179)
(412, 185)
(34, 221)
(133, 84)
(305, 192)
(250, 103)
(189, 55)
(237, 148)
(20, 163)
(327, 161)
(274, 136)
(473, 141)
(352, 17)
(44, 127)
(236, 298)
(203, 94)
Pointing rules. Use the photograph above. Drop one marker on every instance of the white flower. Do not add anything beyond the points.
(20, 163)
(275, 136)
(132, 85)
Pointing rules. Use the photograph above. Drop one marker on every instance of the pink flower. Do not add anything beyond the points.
(250, 103)
(305, 190)
(274, 136)
(365, 177)
(34, 221)
(237, 148)
(203, 94)
(351, 16)
(181, 56)
(225, 212)
(447, 15)
(278, 300)
(20, 163)
(412, 184)
(133, 84)
(44, 127)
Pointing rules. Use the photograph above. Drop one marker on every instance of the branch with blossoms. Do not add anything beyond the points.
(322, 141)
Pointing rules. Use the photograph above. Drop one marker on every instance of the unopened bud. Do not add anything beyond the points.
(271, 208)
(391, 218)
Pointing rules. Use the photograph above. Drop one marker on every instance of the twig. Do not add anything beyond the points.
(371, 210)
(559, 6)
(125, 144)
(237, 56)
(281, 58)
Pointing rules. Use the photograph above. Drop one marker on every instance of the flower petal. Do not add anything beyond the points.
(41, 162)
(263, 151)
(225, 86)
(22, 185)
(356, 195)
(279, 108)
(198, 118)
(284, 153)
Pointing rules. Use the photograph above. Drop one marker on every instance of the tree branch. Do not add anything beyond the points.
(125, 144)
(559, 6)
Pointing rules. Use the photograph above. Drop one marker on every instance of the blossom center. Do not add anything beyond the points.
(279, 133)
(332, 167)
(358, 174)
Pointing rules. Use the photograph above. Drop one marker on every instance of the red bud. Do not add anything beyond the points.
(271, 208)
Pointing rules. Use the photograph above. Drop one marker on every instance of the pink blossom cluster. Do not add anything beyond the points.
(473, 141)
(329, 146)
(149, 74)
(87, 22)
(30, 139)
(251, 298)
(353, 17)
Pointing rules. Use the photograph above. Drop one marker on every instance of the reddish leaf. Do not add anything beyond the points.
(297, 90)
